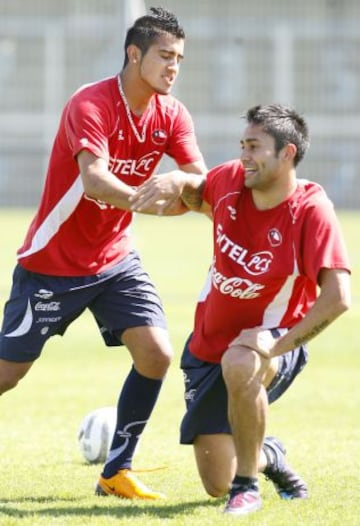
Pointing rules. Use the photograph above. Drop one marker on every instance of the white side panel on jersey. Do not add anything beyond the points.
(60, 213)
(276, 310)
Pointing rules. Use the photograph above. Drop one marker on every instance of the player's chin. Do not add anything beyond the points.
(248, 182)
(164, 87)
(163, 90)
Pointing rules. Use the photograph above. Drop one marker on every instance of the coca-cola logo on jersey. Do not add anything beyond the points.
(52, 306)
(255, 263)
(236, 287)
(142, 167)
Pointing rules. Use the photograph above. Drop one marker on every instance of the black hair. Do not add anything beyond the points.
(147, 29)
(284, 124)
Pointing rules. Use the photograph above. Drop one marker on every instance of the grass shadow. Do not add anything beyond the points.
(10, 508)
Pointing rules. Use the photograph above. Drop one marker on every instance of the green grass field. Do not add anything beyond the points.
(43, 478)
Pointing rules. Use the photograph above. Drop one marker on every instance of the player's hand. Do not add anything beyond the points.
(259, 339)
(161, 191)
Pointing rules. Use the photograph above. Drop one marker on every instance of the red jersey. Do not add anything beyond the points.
(71, 234)
(266, 262)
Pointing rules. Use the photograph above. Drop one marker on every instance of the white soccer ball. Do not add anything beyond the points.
(95, 434)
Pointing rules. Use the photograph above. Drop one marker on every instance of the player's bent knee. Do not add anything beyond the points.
(150, 349)
(216, 462)
(216, 483)
(155, 368)
(214, 490)
(152, 363)
(238, 366)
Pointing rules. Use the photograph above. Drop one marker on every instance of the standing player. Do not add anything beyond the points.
(276, 240)
(77, 253)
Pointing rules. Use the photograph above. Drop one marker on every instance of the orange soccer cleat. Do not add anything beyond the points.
(125, 485)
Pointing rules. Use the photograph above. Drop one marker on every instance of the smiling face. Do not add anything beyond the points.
(159, 66)
(263, 165)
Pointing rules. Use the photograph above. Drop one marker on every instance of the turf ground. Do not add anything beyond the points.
(43, 478)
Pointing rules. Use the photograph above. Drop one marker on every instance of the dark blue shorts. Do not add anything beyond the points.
(206, 395)
(41, 306)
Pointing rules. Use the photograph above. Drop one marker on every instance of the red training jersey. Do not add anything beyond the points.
(71, 234)
(266, 262)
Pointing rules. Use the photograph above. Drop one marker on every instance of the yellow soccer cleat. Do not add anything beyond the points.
(125, 485)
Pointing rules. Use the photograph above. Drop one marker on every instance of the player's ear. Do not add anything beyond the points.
(134, 54)
(288, 153)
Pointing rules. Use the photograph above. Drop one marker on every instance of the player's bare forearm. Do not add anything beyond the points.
(162, 208)
(172, 193)
(160, 195)
(192, 192)
(334, 299)
(165, 188)
(100, 184)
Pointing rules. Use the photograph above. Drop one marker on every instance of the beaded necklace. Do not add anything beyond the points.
(142, 137)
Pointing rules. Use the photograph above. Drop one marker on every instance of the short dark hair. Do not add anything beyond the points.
(147, 29)
(284, 124)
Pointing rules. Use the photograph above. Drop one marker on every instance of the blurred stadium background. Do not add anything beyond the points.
(237, 54)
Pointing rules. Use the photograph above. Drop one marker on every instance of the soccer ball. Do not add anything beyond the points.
(95, 434)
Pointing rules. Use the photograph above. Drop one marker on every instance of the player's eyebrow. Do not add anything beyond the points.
(249, 140)
(171, 52)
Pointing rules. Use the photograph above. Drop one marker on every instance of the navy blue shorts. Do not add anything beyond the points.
(41, 306)
(206, 395)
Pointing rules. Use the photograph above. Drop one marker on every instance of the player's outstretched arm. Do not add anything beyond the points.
(100, 184)
(103, 186)
(173, 189)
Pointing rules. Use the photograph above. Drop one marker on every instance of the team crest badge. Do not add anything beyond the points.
(274, 237)
(159, 136)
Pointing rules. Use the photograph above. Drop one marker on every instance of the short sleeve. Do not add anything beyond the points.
(323, 241)
(183, 146)
(222, 179)
(86, 125)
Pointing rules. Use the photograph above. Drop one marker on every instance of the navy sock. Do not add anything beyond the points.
(244, 484)
(136, 402)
